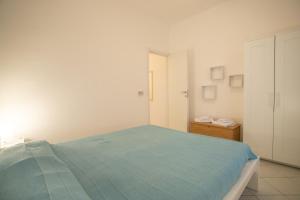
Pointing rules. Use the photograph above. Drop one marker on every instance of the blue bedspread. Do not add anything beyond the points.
(143, 163)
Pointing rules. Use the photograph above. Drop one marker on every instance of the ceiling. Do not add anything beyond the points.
(171, 11)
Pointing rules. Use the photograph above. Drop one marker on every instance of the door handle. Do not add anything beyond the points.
(185, 92)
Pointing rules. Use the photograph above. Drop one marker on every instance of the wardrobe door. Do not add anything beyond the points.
(287, 101)
(259, 96)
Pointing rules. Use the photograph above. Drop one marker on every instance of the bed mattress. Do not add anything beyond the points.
(142, 163)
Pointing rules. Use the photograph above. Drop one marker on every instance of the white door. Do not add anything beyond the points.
(178, 91)
(158, 89)
(287, 105)
(259, 96)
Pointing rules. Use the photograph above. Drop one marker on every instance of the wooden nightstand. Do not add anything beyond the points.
(231, 132)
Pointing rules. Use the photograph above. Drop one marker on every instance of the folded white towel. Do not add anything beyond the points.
(224, 122)
(206, 119)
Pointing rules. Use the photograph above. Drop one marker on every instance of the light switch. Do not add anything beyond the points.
(140, 92)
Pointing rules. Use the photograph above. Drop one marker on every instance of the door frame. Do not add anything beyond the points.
(161, 53)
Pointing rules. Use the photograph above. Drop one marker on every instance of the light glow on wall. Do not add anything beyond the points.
(17, 120)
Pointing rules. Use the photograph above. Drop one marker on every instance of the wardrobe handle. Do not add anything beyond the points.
(271, 99)
(277, 100)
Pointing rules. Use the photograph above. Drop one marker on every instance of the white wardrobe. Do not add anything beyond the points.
(272, 97)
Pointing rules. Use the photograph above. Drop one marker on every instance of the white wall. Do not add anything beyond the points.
(158, 106)
(69, 69)
(72, 68)
(217, 37)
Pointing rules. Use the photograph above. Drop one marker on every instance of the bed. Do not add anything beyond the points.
(141, 163)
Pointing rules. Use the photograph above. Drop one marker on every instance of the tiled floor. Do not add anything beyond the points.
(276, 182)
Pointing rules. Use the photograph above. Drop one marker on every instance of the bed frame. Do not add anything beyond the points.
(248, 178)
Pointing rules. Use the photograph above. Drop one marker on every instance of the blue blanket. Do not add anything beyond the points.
(143, 163)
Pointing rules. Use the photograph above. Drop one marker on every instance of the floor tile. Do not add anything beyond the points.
(276, 182)
(270, 169)
(287, 186)
(248, 198)
(293, 197)
(271, 197)
(249, 192)
(264, 188)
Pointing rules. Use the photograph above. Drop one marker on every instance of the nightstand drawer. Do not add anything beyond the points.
(232, 133)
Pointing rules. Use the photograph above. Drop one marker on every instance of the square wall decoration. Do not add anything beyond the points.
(236, 81)
(209, 92)
(217, 73)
